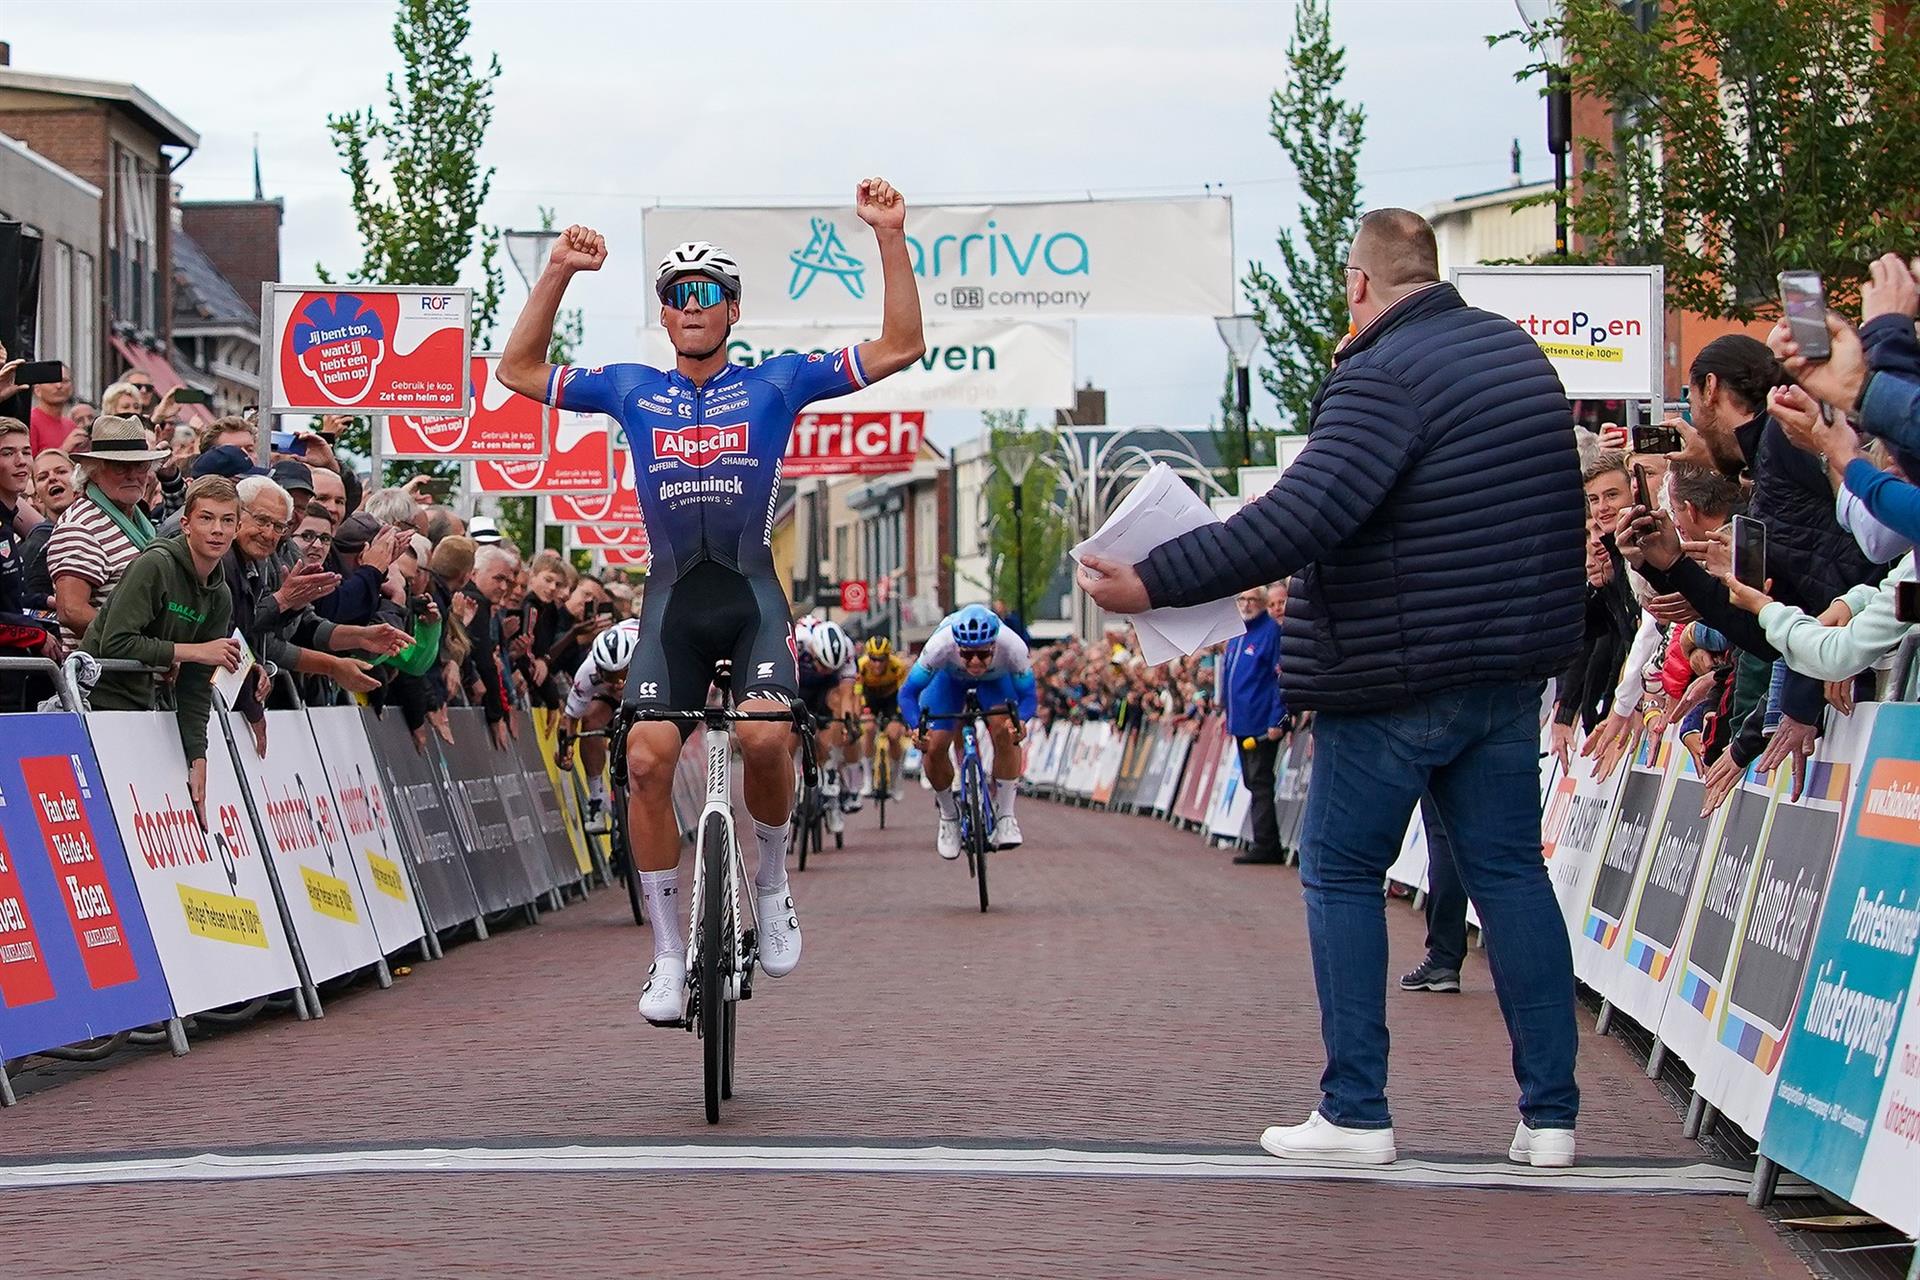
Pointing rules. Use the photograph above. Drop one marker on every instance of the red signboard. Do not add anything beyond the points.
(618, 506)
(503, 425)
(371, 348)
(624, 557)
(853, 596)
(581, 462)
(54, 792)
(593, 537)
(23, 965)
(853, 444)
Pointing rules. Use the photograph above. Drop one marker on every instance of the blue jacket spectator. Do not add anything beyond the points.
(1254, 701)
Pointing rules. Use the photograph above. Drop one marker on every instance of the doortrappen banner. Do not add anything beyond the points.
(76, 958)
(427, 824)
(206, 889)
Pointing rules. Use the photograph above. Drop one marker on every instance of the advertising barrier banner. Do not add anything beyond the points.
(1602, 327)
(977, 363)
(366, 824)
(502, 876)
(581, 461)
(368, 349)
(573, 823)
(204, 887)
(1573, 832)
(427, 825)
(503, 424)
(1638, 819)
(1044, 261)
(76, 958)
(319, 880)
(537, 801)
(1846, 1112)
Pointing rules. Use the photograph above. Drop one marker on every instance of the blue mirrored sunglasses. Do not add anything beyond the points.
(683, 293)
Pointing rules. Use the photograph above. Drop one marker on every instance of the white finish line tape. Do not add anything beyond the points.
(1055, 1162)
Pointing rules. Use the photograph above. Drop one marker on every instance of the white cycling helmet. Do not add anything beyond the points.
(613, 651)
(830, 646)
(698, 258)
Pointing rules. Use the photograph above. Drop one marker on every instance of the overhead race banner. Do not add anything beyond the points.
(1039, 261)
(206, 888)
(366, 824)
(975, 363)
(427, 825)
(581, 462)
(315, 867)
(503, 424)
(76, 958)
(368, 349)
(1602, 327)
(853, 444)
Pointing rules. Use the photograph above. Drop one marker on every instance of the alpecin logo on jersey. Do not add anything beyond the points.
(697, 446)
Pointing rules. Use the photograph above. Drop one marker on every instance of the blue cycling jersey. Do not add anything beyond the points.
(706, 459)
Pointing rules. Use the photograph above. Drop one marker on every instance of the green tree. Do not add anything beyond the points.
(1302, 309)
(1044, 531)
(1749, 137)
(417, 184)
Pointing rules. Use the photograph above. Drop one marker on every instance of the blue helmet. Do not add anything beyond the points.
(975, 627)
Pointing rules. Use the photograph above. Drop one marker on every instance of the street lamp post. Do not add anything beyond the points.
(1538, 14)
(1016, 459)
(1242, 335)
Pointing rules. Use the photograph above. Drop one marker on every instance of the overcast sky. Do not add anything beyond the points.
(606, 107)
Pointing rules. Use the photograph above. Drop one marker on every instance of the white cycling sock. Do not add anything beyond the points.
(1005, 792)
(597, 788)
(948, 806)
(661, 891)
(771, 874)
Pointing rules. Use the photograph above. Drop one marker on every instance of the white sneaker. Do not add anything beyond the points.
(779, 936)
(1006, 832)
(830, 786)
(836, 820)
(1321, 1141)
(663, 1001)
(597, 824)
(1542, 1148)
(948, 841)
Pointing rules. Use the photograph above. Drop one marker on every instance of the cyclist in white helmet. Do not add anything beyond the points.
(591, 702)
(827, 670)
(708, 437)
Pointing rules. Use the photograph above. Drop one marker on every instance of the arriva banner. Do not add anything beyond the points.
(1040, 261)
(1602, 327)
(367, 349)
(581, 461)
(977, 363)
(204, 884)
(503, 424)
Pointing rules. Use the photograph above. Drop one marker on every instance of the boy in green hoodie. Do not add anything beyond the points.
(172, 609)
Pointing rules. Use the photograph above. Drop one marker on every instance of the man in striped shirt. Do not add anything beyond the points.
(105, 528)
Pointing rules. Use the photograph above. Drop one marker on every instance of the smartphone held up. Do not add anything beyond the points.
(1750, 552)
(1804, 299)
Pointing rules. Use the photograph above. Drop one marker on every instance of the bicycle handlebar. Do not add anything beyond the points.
(1007, 709)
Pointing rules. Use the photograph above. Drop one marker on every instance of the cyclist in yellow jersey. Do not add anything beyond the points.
(877, 682)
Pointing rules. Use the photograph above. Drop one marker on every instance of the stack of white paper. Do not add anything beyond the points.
(1158, 509)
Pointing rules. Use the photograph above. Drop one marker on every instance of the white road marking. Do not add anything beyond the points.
(1700, 1178)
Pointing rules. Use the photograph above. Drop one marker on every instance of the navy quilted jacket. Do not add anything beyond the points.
(1435, 518)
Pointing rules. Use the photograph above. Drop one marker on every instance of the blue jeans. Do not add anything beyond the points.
(1477, 751)
(1446, 897)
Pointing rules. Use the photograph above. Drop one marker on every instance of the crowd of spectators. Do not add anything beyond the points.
(128, 534)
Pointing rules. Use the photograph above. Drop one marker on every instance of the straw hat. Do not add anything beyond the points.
(120, 439)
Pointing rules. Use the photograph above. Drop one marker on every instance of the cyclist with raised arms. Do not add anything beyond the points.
(707, 439)
(880, 675)
(970, 650)
(591, 702)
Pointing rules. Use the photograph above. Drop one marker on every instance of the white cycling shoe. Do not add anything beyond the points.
(836, 819)
(663, 1001)
(948, 841)
(1006, 832)
(597, 823)
(779, 936)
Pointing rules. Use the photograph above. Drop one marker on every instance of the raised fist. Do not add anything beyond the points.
(879, 205)
(579, 249)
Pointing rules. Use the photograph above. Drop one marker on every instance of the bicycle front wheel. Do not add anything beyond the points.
(715, 958)
(978, 840)
(623, 850)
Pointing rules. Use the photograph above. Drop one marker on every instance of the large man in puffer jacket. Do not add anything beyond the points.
(1436, 524)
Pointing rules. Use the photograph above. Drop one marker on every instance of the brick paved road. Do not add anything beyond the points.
(1130, 987)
